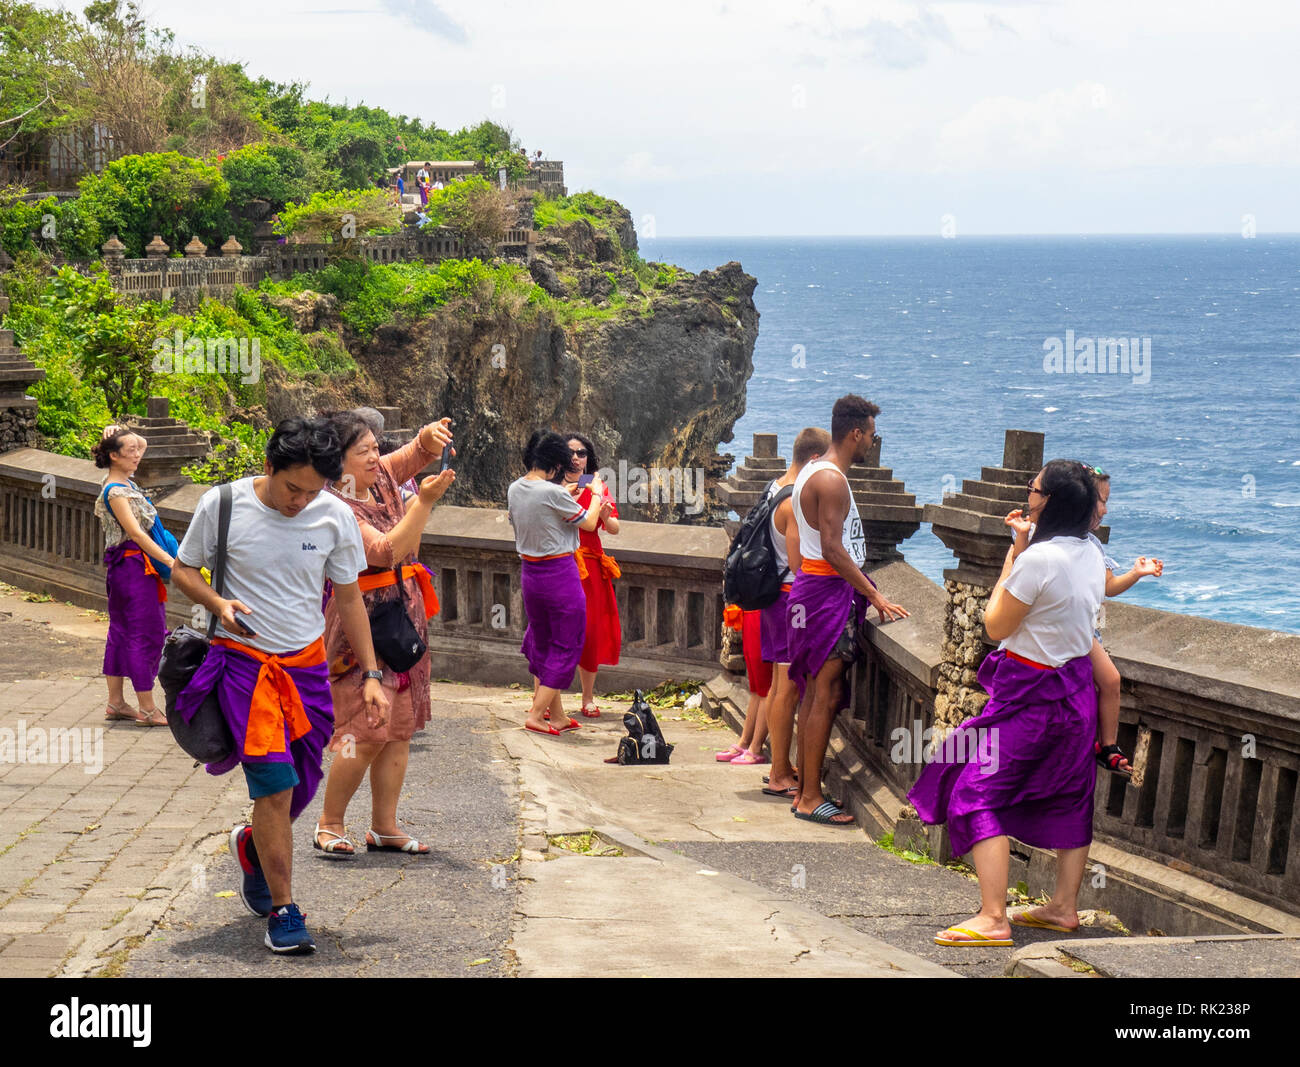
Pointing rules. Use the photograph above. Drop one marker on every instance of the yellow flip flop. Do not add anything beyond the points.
(973, 937)
(1034, 923)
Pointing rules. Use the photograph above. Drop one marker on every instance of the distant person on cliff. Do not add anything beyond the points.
(136, 562)
(546, 519)
(829, 597)
(390, 534)
(267, 663)
(604, 639)
(1024, 766)
(808, 445)
(1104, 672)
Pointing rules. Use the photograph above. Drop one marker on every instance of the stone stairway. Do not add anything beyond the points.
(172, 445)
(17, 409)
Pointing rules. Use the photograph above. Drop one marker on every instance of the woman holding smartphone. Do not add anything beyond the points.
(604, 638)
(546, 519)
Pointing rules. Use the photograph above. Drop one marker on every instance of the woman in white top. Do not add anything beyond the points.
(1024, 766)
(546, 518)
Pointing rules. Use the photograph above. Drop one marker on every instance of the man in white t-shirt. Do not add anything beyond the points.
(267, 660)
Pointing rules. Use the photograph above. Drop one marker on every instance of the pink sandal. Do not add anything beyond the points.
(729, 755)
(748, 759)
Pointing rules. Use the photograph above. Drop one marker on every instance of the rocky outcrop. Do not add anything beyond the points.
(651, 390)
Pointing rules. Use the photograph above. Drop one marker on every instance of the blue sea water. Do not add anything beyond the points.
(947, 336)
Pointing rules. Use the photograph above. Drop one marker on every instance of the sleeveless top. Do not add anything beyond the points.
(778, 538)
(810, 540)
(140, 505)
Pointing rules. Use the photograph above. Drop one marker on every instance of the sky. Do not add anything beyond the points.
(846, 117)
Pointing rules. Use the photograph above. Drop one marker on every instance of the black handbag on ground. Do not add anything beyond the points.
(206, 737)
(397, 643)
(644, 742)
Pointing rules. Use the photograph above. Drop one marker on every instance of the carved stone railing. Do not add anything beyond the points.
(670, 600)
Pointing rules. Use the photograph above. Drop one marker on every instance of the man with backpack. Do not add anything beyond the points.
(783, 782)
(267, 662)
(828, 599)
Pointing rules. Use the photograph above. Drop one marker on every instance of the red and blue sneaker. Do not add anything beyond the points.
(253, 890)
(286, 932)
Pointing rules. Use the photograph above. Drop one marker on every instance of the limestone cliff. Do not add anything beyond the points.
(659, 382)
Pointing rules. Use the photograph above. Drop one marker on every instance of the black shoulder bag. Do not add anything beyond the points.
(207, 736)
(397, 643)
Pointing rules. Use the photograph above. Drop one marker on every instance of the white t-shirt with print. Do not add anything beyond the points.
(275, 564)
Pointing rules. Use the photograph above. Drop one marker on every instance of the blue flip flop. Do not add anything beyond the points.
(824, 813)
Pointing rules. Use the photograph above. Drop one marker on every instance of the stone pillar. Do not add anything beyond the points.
(172, 445)
(744, 487)
(971, 523)
(196, 249)
(157, 248)
(114, 252)
(232, 247)
(17, 409)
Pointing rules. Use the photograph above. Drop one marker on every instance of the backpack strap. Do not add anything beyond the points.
(224, 506)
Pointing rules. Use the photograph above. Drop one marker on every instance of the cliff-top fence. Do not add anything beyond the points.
(1210, 710)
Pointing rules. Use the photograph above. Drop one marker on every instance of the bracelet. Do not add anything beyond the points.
(378, 676)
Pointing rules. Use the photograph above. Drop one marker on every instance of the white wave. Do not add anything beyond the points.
(1048, 411)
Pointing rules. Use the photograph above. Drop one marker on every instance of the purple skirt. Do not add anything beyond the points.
(1024, 766)
(137, 619)
(819, 607)
(776, 630)
(234, 676)
(557, 619)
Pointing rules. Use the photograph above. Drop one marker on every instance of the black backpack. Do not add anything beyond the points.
(645, 741)
(751, 576)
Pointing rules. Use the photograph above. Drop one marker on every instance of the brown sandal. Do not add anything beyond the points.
(121, 713)
(152, 718)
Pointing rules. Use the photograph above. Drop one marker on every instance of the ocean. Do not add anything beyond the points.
(1199, 426)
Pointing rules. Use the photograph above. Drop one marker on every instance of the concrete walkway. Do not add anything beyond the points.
(547, 861)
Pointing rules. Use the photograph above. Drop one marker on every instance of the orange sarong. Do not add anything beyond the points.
(380, 579)
(275, 697)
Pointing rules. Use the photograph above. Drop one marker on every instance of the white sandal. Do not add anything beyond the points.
(331, 848)
(412, 846)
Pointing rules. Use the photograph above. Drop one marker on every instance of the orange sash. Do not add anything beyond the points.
(582, 566)
(149, 569)
(818, 566)
(275, 697)
(380, 579)
(608, 567)
(732, 616)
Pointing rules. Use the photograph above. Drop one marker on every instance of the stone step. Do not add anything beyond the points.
(22, 375)
(186, 452)
(6, 338)
(1016, 494)
(1007, 476)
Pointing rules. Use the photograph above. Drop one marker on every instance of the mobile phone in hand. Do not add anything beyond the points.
(584, 480)
(446, 459)
(239, 621)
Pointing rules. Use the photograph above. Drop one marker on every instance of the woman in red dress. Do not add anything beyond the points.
(604, 633)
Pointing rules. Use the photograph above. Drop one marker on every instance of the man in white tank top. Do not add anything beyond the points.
(829, 597)
(810, 444)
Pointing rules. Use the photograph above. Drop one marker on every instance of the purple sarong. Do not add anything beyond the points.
(137, 619)
(234, 675)
(557, 619)
(1033, 774)
(776, 630)
(819, 607)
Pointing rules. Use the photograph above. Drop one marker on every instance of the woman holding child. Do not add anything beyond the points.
(1035, 774)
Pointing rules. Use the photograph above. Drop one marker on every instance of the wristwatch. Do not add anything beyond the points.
(378, 676)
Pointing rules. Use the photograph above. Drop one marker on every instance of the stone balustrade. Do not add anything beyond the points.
(1212, 708)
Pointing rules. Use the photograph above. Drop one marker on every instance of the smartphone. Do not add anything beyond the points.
(584, 480)
(239, 621)
(446, 459)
